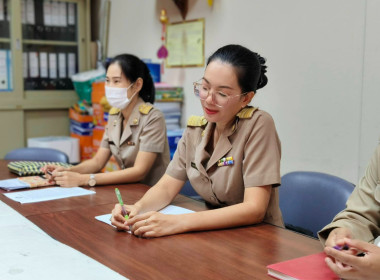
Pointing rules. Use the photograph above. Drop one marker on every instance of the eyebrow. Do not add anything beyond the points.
(113, 77)
(223, 86)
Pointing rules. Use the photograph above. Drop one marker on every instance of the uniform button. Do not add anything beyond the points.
(205, 179)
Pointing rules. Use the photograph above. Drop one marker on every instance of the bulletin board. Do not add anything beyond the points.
(185, 44)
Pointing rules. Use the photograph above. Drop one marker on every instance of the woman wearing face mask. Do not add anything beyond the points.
(135, 134)
(231, 156)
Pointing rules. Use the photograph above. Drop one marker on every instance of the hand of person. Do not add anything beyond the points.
(68, 178)
(336, 237)
(155, 224)
(49, 169)
(118, 219)
(355, 267)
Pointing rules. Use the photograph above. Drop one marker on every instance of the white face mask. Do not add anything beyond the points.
(118, 97)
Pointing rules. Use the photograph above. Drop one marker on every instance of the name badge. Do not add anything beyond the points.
(130, 143)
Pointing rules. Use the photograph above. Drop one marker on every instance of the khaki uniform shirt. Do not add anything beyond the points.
(145, 131)
(253, 144)
(362, 213)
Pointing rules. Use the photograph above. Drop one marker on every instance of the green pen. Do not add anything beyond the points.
(118, 195)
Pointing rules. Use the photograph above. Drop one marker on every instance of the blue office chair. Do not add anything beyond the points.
(37, 154)
(188, 190)
(310, 200)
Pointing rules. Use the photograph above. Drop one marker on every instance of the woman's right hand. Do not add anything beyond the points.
(50, 168)
(336, 237)
(118, 219)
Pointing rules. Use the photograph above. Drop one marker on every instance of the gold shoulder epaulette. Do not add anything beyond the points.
(145, 108)
(196, 121)
(246, 113)
(114, 111)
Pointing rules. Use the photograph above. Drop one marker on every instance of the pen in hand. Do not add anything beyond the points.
(118, 195)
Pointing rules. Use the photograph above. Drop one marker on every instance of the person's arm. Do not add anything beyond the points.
(148, 223)
(361, 216)
(143, 163)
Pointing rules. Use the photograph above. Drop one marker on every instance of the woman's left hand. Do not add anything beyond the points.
(155, 224)
(355, 267)
(68, 179)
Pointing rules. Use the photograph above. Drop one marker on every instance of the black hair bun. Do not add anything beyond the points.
(263, 80)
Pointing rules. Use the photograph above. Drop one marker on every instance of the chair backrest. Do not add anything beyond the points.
(310, 200)
(188, 190)
(37, 154)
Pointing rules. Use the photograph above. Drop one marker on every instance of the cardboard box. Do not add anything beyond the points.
(68, 145)
(85, 145)
(98, 91)
(97, 136)
(78, 117)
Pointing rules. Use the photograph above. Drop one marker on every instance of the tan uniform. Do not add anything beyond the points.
(253, 144)
(145, 131)
(362, 213)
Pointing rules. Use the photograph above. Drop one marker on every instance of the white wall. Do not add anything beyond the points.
(322, 58)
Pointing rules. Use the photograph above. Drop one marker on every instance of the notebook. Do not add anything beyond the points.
(311, 267)
(24, 183)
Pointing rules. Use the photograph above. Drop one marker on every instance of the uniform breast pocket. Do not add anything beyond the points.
(377, 193)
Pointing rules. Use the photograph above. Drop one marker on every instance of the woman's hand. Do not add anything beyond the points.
(69, 179)
(118, 219)
(50, 168)
(349, 266)
(155, 224)
(337, 236)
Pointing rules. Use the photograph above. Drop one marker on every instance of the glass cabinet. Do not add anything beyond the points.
(42, 43)
(6, 83)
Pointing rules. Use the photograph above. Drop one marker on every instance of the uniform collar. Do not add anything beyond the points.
(134, 120)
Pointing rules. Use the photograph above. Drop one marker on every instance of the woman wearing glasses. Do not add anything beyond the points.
(231, 156)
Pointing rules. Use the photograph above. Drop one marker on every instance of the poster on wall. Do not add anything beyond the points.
(185, 44)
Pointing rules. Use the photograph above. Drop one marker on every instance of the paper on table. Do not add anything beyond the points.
(47, 194)
(13, 184)
(27, 252)
(169, 210)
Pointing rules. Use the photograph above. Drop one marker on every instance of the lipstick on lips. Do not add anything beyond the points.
(210, 112)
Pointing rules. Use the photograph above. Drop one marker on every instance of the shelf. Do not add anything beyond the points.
(5, 40)
(46, 42)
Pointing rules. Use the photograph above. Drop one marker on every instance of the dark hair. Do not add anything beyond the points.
(250, 66)
(134, 68)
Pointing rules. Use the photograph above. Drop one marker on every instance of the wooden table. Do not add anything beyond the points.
(239, 253)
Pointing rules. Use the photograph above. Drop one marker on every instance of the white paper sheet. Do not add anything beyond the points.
(169, 210)
(13, 184)
(27, 252)
(47, 194)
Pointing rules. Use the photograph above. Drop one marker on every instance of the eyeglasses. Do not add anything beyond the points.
(202, 91)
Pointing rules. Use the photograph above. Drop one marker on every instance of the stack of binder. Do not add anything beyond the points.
(169, 101)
